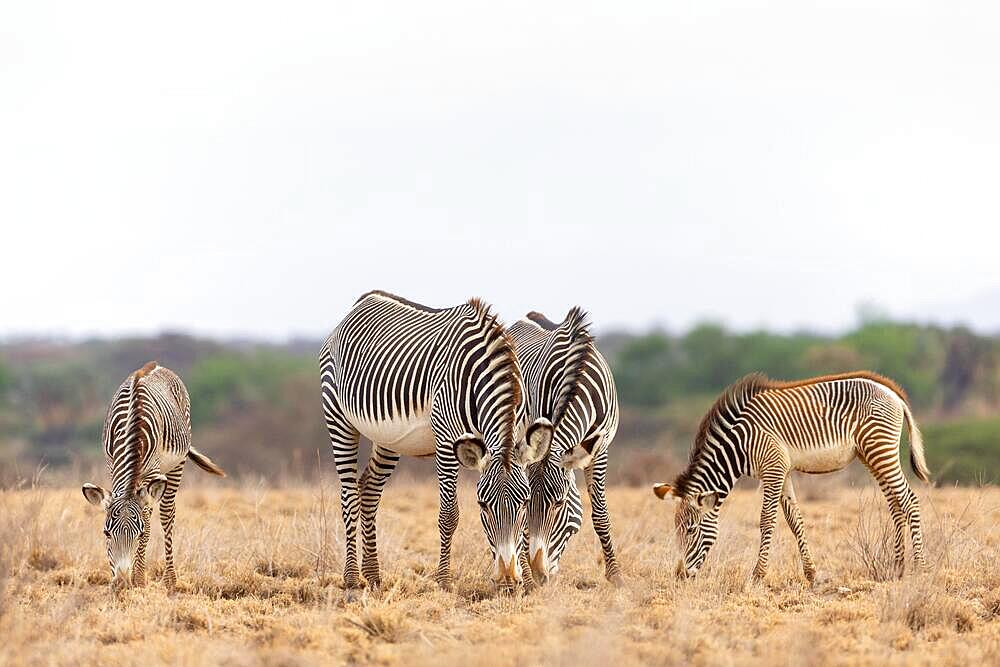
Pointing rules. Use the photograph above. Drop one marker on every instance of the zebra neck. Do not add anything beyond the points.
(713, 470)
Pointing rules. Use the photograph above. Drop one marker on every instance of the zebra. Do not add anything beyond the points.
(570, 384)
(147, 440)
(441, 382)
(766, 428)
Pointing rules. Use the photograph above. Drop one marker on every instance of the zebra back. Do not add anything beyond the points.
(149, 412)
(391, 358)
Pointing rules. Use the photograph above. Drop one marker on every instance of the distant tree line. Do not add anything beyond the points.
(255, 407)
(946, 371)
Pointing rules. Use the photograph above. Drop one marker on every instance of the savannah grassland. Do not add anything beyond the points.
(260, 583)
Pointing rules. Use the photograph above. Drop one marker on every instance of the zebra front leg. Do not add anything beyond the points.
(772, 484)
(380, 466)
(790, 505)
(139, 576)
(168, 504)
(527, 579)
(596, 474)
(447, 472)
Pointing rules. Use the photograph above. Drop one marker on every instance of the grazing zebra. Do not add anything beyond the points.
(147, 439)
(440, 382)
(570, 384)
(765, 429)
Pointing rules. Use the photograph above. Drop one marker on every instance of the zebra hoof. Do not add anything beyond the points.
(616, 580)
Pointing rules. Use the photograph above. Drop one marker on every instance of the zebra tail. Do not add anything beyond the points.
(917, 460)
(205, 463)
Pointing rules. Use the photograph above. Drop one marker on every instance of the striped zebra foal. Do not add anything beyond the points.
(765, 429)
(441, 382)
(147, 440)
(570, 384)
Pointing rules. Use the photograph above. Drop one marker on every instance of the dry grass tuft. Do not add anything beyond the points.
(260, 583)
(874, 538)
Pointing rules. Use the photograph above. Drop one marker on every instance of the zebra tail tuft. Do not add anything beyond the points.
(917, 460)
(205, 463)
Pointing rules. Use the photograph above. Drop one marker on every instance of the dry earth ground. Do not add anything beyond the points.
(260, 573)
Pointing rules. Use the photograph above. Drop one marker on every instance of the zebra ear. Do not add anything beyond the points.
(95, 495)
(581, 455)
(663, 490)
(536, 443)
(708, 500)
(471, 452)
(153, 491)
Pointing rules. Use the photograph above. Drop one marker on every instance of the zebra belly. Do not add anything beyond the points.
(410, 436)
(822, 459)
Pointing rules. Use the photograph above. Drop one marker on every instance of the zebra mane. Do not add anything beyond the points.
(726, 410)
(853, 375)
(133, 428)
(577, 326)
(399, 299)
(500, 345)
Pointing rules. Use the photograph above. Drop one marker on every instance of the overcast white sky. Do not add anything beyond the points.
(241, 169)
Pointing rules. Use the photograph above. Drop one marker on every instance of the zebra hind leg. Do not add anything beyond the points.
(168, 505)
(596, 474)
(899, 525)
(344, 442)
(793, 515)
(906, 509)
(911, 506)
(882, 459)
(447, 472)
(379, 468)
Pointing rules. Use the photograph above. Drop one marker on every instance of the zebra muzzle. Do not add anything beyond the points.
(539, 567)
(507, 571)
(121, 578)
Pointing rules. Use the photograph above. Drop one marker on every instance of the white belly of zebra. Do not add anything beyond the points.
(409, 436)
(822, 459)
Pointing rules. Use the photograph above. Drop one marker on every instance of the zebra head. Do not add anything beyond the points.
(696, 522)
(126, 516)
(503, 492)
(555, 512)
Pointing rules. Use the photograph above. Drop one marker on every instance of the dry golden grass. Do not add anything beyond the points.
(259, 575)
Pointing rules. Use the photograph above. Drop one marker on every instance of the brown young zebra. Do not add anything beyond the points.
(766, 429)
(147, 439)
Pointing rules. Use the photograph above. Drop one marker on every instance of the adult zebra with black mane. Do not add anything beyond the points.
(570, 384)
(441, 382)
(765, 429)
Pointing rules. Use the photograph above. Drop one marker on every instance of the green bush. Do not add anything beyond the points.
(966, 451)
(231, 381)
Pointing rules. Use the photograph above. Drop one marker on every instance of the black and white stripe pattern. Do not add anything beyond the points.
(435, 382)
(569, 383)
(766, 429)
(147, 439)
